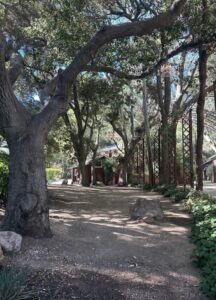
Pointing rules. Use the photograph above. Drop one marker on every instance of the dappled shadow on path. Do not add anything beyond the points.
(94, 238)
(84, 284)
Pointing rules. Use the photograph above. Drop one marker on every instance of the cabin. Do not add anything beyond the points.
(102, 154)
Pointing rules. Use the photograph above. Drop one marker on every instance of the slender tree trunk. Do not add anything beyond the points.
(94, 179)
(148, 137)
(164, 171)
(200, 115)
(172, 150)
(27, 210)
(164, 178)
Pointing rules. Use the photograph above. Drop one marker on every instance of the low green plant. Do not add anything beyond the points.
(180, 194)
(147, 187)
(109, 166)
(203, 208)
(12, 285)
(169, 190)
(53, 173)
(165, 189)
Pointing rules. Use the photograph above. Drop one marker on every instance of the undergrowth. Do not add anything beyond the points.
(202, 206)
(12, 285)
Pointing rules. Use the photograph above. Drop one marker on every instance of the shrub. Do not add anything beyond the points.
(147, 186)
(164, 188)
(4, 177)
(12, 285)
(180, 194)
(177, 194)
(203, 208)
(53, 173)
(109, 166)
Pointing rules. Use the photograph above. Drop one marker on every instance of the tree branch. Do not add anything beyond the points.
(88, 52)
(15, 69)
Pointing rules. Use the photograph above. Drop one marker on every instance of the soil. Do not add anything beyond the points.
(97, 253)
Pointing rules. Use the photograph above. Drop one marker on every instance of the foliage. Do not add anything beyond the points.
(4, 178)
(12, 285)
(147, 186)
(203, 208)
(53, 173)
(109, 166)
(176, 193)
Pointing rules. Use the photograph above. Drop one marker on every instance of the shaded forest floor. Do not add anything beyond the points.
(96, 253)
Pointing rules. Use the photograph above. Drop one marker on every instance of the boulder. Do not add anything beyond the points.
(1, 256)
(146, 209)
(64, 181)
(10, 241)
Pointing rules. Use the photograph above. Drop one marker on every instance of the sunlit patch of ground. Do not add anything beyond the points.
(97, 253)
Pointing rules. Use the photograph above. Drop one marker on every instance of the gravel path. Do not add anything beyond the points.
(96, 253)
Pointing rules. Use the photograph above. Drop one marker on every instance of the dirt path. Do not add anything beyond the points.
(97, 254)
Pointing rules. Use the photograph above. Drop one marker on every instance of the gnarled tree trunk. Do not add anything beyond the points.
(27, 208)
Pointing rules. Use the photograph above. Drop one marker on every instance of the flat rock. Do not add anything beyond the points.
(146, 209)
(10, 241)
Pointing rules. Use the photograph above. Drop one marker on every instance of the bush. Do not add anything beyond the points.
(164, 188)
(12, 285)
(53, 173)
(170, 190)
(203, 208)
(109, 166)
(4, 178)
(147, 187)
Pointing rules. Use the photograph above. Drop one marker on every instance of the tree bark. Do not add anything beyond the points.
(27, 209)
(148, 136)
(84, 173)
(203, 57)
(164, 170)
(124, 171)
(164, 178)
(172, 150)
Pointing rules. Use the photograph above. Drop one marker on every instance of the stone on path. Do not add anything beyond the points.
(146, 209)
(10, 241)
(64, 182)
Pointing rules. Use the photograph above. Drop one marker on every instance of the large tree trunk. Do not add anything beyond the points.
(84, 174)
(27, 210)
(124, 164)
(130, 165)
